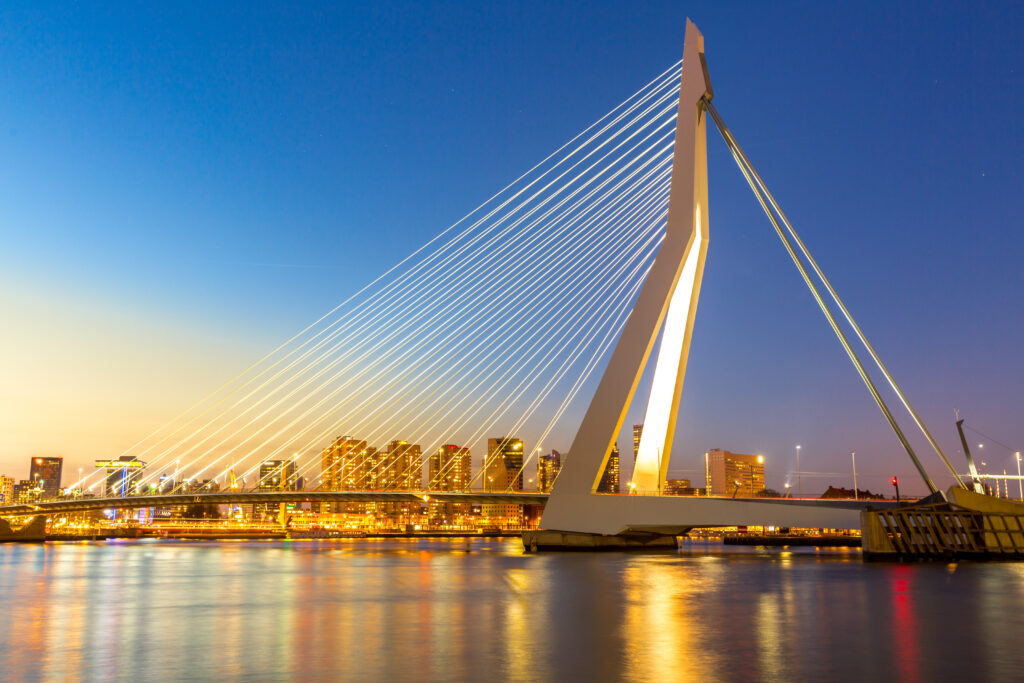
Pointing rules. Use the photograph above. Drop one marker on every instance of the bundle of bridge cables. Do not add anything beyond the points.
(497, 327)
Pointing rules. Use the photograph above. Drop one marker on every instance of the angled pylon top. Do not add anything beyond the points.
(668, 300)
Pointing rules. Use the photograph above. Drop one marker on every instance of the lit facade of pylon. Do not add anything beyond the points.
(668, 300)
(651, 465)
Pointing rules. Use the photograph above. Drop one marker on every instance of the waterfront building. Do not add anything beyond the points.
(638, 430)
(449, 470)
(729, 474)
(47, 471)
(503, 466)
(27, 491)
(398, 468)
(610, 479)
(503, 469)
(277, 475)
(403, 468)
(548, 467)
(678, 487)
(123, 475)
(344, 466)
(6, 490)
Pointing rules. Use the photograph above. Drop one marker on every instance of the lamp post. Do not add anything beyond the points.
(799, 479)
(787, 489)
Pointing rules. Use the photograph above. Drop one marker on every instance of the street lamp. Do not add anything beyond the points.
(787, 489)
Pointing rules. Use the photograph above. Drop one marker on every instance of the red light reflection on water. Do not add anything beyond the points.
(906, 633)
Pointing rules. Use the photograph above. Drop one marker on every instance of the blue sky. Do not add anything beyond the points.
(184, 186)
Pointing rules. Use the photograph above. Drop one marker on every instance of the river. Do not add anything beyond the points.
(452, 610)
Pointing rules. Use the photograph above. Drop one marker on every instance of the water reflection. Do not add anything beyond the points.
(429, 610)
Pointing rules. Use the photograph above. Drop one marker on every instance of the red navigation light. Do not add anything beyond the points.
(895, 481)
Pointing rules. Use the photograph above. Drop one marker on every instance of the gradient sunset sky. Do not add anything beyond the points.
(184, 186)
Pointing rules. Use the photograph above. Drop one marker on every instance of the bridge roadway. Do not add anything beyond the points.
(53, 507)
(688, 511)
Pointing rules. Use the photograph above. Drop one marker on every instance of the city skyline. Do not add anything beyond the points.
(168, 290)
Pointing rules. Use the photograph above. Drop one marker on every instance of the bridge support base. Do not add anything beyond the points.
(964, 525)
(33, 532)
(535, 540)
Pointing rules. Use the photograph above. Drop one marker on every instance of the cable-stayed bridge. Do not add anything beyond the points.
(555, 289)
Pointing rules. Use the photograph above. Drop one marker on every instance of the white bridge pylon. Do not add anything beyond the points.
(667, 303)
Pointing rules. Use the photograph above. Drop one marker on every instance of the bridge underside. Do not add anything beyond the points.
(674, 515)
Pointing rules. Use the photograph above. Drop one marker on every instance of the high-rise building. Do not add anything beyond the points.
(450, 470)
(733, 474)
(123, 475)
(503, 466)
(47, 472)
(345, 466)
(548, 467)
(397, 468)
(638, 430)
(503, 469)
(402, 467)
(6, 490)
(610, 479)
(277, 475)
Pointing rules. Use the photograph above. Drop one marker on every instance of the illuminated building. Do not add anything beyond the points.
(47, 471)
(503, 470)
(503, 467)
(6, 490)
(548, 466)
(123, 475)
(399, 468)
(638, 430)
(344, 466)
(450, 469)
(724, 469)
(610, 479)
(277, 475)
(403, 469)
(677, 487)
(27, 491)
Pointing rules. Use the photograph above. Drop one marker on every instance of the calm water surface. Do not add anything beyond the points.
(397, 610)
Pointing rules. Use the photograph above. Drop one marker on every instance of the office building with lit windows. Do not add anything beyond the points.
(728, 473)
(47, 472)
(277, 475)
(638, 430)
(449, 469)
(610, 479)
(6, 490)
(123, 475)
(503, 466)
(345, 466)
(548, 467)
(503, 469)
